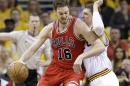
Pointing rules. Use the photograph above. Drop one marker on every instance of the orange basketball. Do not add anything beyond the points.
(17, 72)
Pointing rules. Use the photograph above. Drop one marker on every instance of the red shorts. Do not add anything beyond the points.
(55, 75)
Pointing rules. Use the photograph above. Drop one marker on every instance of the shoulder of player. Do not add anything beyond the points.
(47, 27)
(81, 26)
(46, 30)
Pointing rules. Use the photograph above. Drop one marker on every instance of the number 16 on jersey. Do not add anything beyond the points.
(64, 54)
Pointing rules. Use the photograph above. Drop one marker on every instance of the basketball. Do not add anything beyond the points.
(17, 72)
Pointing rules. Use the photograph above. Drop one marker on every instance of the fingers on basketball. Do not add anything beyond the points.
(17, 72)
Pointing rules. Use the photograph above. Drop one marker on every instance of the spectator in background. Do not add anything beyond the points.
(128, 1)
(116, 41)
(107, 13)
(32, 9)
(45, 18)
(4, 12)
(126, 64)
(129, 43)
(121, 19)
(19, 24)
(83, 2)
(119, 56)
(114, 4)
(13, 4)
(75, 7)
(124, 73)
(9, 25)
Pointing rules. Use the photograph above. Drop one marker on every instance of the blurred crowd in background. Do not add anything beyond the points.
(115, 14)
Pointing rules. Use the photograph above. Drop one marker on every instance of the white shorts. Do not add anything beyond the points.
(107, 80)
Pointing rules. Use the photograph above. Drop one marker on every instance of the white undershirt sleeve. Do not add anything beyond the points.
(98, 26)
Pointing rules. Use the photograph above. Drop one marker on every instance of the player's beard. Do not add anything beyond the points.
(63, 21)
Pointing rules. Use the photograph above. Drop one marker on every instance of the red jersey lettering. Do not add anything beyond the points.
(66, 47)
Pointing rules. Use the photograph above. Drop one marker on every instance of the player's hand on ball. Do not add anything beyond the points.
(20, 61)
(17, 72)
(98, 3)
(77, 64)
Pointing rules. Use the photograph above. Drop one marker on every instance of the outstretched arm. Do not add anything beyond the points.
(44, 34)
(5, 36)
(14, 36)
(98, 26)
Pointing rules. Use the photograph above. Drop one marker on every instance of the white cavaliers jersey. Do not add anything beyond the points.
(97, 63)
(23, 41)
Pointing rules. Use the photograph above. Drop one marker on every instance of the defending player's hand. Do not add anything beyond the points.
(77, 64)
(98, 3)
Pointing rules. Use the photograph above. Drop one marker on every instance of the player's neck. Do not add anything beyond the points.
(62, 26)
(89, 24)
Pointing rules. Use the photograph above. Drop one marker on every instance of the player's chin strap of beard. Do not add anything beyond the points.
(99, 32)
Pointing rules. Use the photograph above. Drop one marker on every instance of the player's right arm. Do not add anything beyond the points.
(97, 23)
(13, 36)
(5, 36)
(44, 34)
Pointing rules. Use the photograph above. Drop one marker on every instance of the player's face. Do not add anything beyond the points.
(62, 14)
(34, 22)
(87, 16)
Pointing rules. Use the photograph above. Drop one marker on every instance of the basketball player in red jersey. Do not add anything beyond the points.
(68, 35)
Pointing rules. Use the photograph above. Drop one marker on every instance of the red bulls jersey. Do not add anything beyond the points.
(66, 46)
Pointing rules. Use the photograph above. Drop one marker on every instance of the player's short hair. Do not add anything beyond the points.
(90, 7)
(60, 3)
